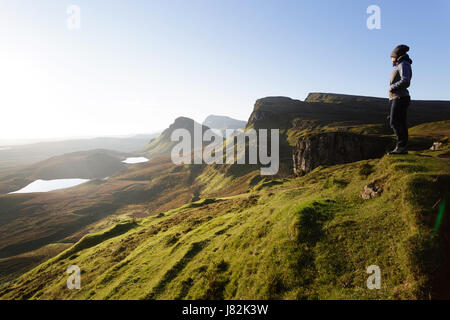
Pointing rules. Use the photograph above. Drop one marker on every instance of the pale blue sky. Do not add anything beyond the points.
(134, 66)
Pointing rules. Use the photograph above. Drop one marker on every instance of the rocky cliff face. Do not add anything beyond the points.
(333, 148)
(267, 112)
(339, 109)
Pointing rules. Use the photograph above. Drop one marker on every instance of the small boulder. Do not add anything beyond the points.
(372, 190)
(436, 146)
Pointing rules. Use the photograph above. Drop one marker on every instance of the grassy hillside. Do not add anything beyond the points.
(30, 221)
(15, 266)
(156, 230)
(439, 129)
(310, 237)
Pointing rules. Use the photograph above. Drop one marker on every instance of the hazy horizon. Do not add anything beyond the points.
(32, 140)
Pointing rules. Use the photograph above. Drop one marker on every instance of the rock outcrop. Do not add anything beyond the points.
(372, 190)
(340, 110)
(436, 146)
(333, 148)
(267, 112)
(365, 109)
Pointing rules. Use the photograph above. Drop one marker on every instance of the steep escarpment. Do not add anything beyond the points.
(375, 110)
(328, 128)
(341, 110)
(272, 112)
(332, 148)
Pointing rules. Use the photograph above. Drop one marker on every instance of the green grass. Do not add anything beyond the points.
(15, 266)
(439, 129)
(310, 237)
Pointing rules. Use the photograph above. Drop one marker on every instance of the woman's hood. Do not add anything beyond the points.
(406, 58)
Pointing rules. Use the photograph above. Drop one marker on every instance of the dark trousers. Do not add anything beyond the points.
(399, 108)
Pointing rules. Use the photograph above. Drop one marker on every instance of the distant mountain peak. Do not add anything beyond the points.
(223, 122)
(183, 120)
(163, 144)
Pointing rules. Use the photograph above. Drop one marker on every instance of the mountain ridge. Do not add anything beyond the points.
(223, 122)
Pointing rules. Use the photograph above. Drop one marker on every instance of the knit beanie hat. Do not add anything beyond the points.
(399, 51)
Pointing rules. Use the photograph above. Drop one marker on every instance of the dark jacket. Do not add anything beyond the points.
(400, 78)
